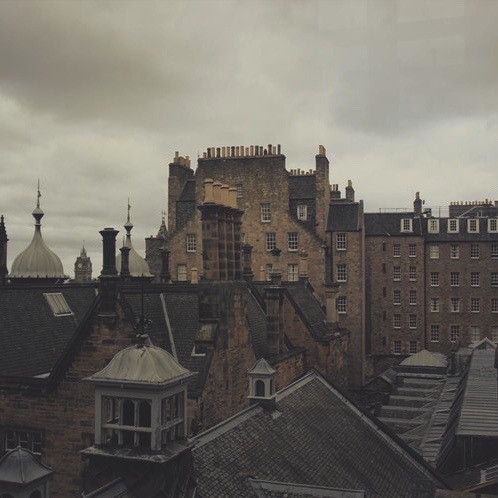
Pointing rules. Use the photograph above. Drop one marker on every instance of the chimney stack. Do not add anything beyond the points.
(274, 297)
(109, 275)
(330, 305)
(165, 275)
(350, 191)
(125, 261)
(3, 252)
(417, 204)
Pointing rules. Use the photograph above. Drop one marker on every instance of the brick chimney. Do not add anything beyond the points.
(125, 262)
(417, 204)
(335, 193)
(3, 252)
(274, 297)
(109, 275)
(350, 191)
(165, 273)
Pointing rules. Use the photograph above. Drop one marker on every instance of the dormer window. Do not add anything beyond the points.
(453, 225)
(433, 225)
(472, 225)
(302, 212)
(493, 225)
(58, 304)
(406, 225)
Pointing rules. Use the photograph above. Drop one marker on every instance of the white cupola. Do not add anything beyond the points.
(141, 399)
(262, 382)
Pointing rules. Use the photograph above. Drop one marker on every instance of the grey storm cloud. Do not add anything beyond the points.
(95, 97)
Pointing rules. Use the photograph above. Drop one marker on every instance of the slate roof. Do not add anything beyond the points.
(32, 338)
(179, 317)
(302, 186)
(310, 310)
(315, 436)
(463, 235)
(258, 323)
(343, 217)
(479, 413)
(390, 224)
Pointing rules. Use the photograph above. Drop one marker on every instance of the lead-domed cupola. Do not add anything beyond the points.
(37, 261)
(138, 266)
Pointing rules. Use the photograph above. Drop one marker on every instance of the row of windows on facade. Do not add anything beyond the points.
(475, 334)
(292, 272)
(28, 439)
(475, 251)
(474, 303)
(454, 225)
(456, 280)
(266, 214)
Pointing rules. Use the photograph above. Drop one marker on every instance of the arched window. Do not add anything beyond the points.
(260, 388)
(36, 494)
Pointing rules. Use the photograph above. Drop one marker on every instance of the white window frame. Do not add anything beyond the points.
(412, 250)
(475, 305)
(396, 273)
(473, 329)
(302, 212)
(494, 279)
(455, 305)
(454, 251)
(293, 272)
(265, 210)
(412, 324)
(341, 305)
(191, 242)
(396, 321)
(435, 332)
(340, 241)
(494, 305)
(454, 333)
(455, 279)
(434, 279)
(270, 241)
(397, 347)
(433, 225)
(412, 273)
(434, 251)
(434, 304)
(58, 304)
(406, 225)
(29, 439)
(456, 222)
(179, 272)
(492, 225)
(473, 225)
(475, 279)
(292, 241)
(475, 251)
(494, 250)
(412, 297)
(412, 350)
(396, 250)
(396, 297)
(342, 272)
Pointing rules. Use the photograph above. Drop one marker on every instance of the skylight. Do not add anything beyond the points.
(58, 304)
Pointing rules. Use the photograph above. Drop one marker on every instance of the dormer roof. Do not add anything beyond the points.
(20, 466)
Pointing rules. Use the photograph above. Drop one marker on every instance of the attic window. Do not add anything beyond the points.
(406, 225)
(58, 304)
(199, 350)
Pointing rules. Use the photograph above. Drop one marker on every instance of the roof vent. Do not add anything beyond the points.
(58, 304)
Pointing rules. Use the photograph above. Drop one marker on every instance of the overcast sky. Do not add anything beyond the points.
(96, 97)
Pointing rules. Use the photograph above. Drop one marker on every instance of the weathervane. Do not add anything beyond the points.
(38, 195)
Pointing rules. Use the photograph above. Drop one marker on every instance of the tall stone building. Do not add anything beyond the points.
(83, 267)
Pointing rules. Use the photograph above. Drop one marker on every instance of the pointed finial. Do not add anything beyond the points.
(129, 207)
(38, 195)
(128, 225)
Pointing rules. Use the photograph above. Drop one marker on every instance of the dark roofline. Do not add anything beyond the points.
(62, 363)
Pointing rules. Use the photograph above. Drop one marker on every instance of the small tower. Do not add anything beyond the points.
(3, 252)
(83, 267)
(22, 475)
(140, 400)
(262, 383)
(417, 204)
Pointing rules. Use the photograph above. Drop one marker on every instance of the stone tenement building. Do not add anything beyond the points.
(287, 225)
(399, 281)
